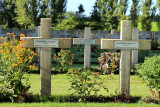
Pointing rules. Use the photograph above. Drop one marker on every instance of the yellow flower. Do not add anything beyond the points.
(9, 33)
(28, 49)
(6, 43)
(15, 64)
(22, 35)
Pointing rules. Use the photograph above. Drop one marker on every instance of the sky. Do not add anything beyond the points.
(72, 5)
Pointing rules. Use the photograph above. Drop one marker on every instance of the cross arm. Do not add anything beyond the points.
(62, 42)
(90, 41)
(141, 44)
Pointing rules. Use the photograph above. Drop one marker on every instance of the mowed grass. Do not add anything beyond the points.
(153, 24)
(61, 84)
(49, 104)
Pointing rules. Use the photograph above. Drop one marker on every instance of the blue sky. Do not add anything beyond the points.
(72, 5)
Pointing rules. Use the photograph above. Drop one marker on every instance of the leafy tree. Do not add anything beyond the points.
(44, 9)
(147, 14)
(80, 10)
(7, 13)
(58, 8)
(95, 14)
(158, 8)
(69, 23)
(23, 18)
(134, 13)
(109, 13)
(123, 6)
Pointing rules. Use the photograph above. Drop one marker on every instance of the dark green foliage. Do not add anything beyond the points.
(80, 10)
(63, 61)
(6, 95)
(123, 6)
(109, 13)
(149, 72)
(134, 13)
(58, 8)
(142, 54)
(147, 14)
(154, 45)
(109, 62)
(7, 13)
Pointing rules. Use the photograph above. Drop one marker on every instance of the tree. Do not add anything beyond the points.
(158, 8)
(23, 16)
(123, 6)
(95, 14)
(147, 14)
(58, 8)
(80, 10)
(7, 13)
(109, 13)
(44, 9)
(134, 13)
(69, 23)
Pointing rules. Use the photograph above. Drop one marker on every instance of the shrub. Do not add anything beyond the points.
(63, 61)
(154, 45)
(142, 54)
(109, 62)
(149, 71)
(15, 61)
(84, 85)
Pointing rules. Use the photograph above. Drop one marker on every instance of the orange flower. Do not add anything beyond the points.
(22, 35)
(32, 66)
(4, 37)
(22, 41)
(30, 57)
(69, 62)
(14, 35)
(33, 53)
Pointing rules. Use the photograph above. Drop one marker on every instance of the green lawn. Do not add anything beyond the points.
(153, 24)
(49, 104)
(61, 85)
(153, 29)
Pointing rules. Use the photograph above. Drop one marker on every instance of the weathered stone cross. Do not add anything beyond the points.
(87, 41)
(125, 44)
(45, 43)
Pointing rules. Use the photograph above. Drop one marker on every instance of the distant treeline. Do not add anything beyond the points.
(106, 14)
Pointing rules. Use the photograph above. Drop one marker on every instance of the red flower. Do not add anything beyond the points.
(92, 49)
(69, 62)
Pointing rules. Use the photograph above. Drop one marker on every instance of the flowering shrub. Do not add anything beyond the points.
(154, 45)
(15, 60)
(149, 72)
(63, 61)
(109, 62)
(84, 85)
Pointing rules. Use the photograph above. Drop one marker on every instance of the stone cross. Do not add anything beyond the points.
(87, 41)
(125, 44)
(45, 43)
(135, 36)
(113, 32)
